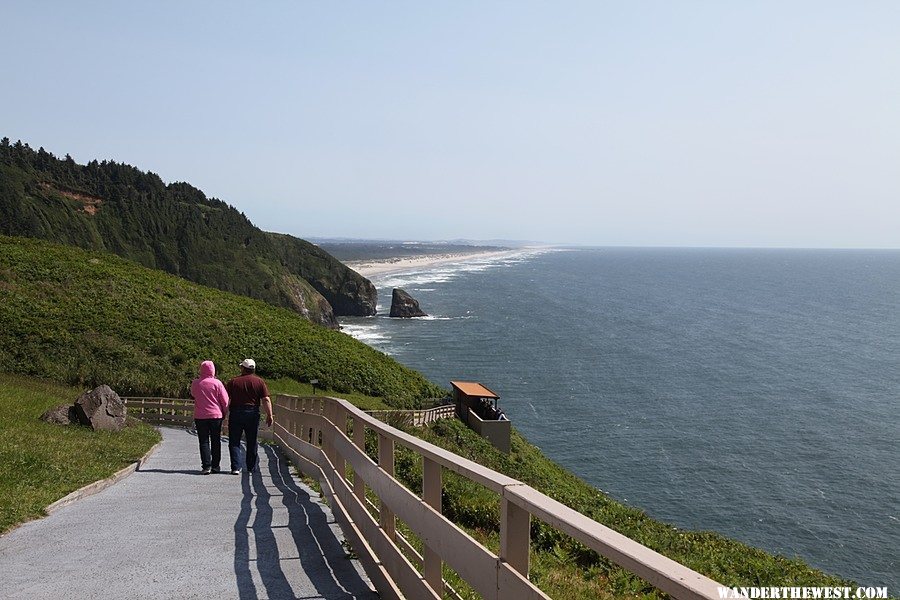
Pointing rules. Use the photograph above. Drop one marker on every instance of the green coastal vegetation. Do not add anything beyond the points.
(71, 319)
(86, 318)
(115, 207)
(43, 462)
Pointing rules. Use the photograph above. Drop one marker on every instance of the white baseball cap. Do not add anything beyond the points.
(249, 363)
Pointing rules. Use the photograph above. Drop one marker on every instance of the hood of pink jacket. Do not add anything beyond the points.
(210, 397)
(207, 369)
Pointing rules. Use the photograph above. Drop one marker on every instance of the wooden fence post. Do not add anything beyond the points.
(328, 411)
(515, 536)
(386, 462)
(431, 494)
(339, 418)
(359, 438)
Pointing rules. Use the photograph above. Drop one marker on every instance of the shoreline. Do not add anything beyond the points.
(389, 266)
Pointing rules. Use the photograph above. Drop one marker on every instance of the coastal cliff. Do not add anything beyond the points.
(173, 227)
(348, 292)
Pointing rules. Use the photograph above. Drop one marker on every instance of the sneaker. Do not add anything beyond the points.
(206, 471)
(235, 471)
(216, 470)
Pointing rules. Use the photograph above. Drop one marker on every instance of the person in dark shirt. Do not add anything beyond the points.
(247, 392)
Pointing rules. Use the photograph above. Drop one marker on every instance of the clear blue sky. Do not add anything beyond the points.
(716, 123)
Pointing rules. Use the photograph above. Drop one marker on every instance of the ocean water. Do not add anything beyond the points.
(751, 392)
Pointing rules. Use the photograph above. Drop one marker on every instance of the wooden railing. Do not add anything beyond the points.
(172, 412)
(417, 418)
(324, 435)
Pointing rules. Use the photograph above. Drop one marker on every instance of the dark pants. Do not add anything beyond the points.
(209, 429)
(244, 422)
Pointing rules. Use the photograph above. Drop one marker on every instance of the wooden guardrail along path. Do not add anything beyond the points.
(324, 435)
(173, 412)
(417, 418)
(179, 412)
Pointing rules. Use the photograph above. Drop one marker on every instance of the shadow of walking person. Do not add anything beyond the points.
(293, 551)
(322, 557)
(268, 556)
(245, 585)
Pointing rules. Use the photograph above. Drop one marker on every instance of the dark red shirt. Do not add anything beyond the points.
(246, 391)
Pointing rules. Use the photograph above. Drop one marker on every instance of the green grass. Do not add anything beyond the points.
(296, 388)
(87, 318)
(44, 462)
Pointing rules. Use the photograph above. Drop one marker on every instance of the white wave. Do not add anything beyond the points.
(438, 318)
(414, 279)
(369, 334)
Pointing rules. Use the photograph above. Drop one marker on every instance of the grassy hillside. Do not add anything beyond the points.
(44, 462)
(86, 318)
(175, 228)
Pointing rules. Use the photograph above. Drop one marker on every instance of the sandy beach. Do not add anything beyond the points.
(371, 268)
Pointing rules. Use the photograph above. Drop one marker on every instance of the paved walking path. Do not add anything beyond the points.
(168, 532)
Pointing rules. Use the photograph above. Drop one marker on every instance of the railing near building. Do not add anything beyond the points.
(324, 435)
(416, 418)
(179, 412)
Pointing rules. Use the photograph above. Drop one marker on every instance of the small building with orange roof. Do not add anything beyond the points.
(478, 407)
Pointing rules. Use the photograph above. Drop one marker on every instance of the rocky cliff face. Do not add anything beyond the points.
(348, 292)
(405, 306)
(304, 299)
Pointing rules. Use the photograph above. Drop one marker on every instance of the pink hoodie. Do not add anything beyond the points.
(210, 397)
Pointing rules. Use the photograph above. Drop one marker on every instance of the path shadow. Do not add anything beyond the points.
(246, 587)
(319, 553)
(175, 471)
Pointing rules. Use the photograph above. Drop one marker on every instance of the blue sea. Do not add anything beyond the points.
(755, 393)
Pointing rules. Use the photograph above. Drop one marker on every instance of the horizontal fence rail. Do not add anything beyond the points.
(173, 412)
(323, 436)
(416, 418)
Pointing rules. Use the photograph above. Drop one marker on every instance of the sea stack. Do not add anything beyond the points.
(405, 306)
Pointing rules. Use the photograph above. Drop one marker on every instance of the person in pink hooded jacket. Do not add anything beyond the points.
(210, 406)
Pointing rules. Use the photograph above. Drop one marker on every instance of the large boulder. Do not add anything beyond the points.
(64, 414)
(403, 305)
(101, 408)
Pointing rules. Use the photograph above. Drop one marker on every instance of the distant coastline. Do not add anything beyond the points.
(385, 266)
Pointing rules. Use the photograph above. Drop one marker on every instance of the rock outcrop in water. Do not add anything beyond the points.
(405, 306)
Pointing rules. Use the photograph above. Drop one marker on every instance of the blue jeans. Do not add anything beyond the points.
(243, 422)
(209, 430)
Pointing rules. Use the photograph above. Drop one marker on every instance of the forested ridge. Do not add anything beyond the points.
(105, 205)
